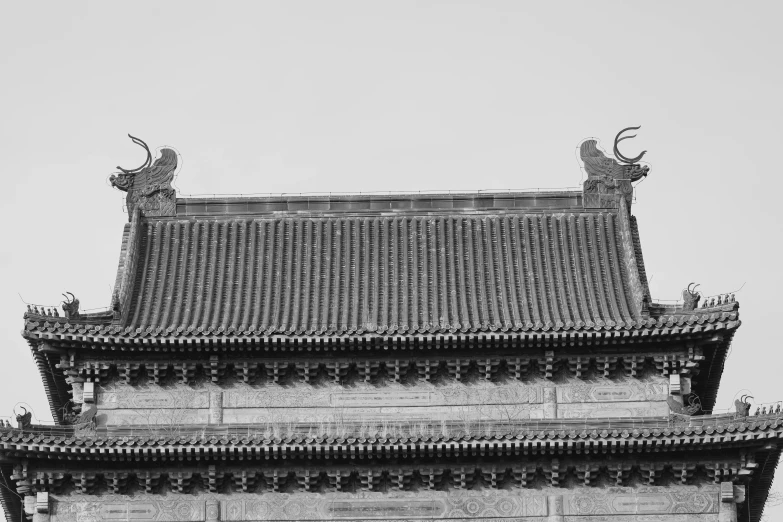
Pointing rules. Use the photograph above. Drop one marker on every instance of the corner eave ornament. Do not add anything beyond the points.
(690, 298)
(149, 186)
(608, 179)
(71, 306)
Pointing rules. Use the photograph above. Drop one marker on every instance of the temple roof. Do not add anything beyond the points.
(493, 267)
(336, 266)
(316, 275)
(501, 263)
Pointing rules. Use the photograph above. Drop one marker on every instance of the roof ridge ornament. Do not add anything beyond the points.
(71, 306)
(148, 161)
(149, 186)
(618, 154)
(610, 180)
(690, 298)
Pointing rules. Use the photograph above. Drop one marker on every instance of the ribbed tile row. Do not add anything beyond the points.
(717, 431)
(342, 275)
(725, 317)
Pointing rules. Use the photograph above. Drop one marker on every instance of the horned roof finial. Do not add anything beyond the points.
(690, 297)
(618, 154)
(146, 163)
(149, 186)
(71, 306)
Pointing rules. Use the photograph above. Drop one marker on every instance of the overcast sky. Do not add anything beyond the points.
(368, 96)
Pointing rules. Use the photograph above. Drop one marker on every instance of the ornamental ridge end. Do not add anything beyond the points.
(149, 187)
(609, 180)
(690, 297)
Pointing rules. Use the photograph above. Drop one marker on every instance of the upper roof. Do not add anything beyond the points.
(376, 265)
(498, 263)
(314, 273)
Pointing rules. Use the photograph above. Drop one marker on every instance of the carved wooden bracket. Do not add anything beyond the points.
(458, 368)
(245, 480)
(248, 371)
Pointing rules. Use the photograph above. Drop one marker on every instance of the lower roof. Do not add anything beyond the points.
(650, 434)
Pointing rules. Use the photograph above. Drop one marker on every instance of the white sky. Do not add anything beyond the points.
(366, 96)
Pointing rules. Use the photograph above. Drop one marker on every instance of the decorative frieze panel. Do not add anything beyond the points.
(425, 414)
(120, 397)
(129, 510)
(630, 391)
(677, 504)
(509, 401)
(131, 398)
(154, 419)
(615, 410)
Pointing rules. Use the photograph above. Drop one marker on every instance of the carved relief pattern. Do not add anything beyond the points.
(421, 395)
(126, 405)
(642, 518)
(592, 411)
(127, 398)
(578, 392)
(619, 501)
(455, 504)
(632, 504)
(155, 510)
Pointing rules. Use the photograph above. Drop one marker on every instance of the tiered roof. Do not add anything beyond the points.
(557, 268)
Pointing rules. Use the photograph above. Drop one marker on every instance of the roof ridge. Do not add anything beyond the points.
(377, 203)
(126, 269)
(633, 263)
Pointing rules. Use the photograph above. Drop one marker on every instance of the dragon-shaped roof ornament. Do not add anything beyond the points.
(742, 406)
(71, 306)
(608, 179)
(690, 298)
(619, 156)
(149, 186)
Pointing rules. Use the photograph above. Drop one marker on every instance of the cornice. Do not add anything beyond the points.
(236, 443)
(723, 318)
